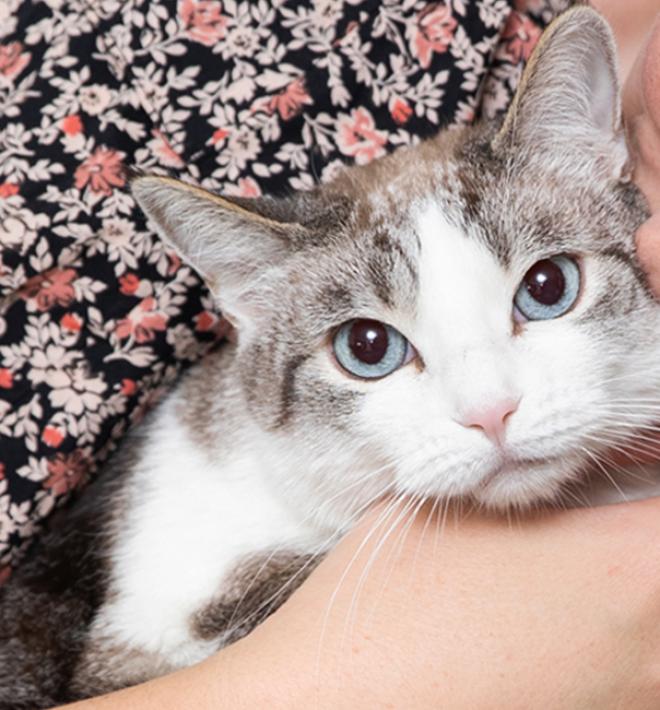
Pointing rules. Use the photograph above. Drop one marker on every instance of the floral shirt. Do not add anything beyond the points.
(97, 316)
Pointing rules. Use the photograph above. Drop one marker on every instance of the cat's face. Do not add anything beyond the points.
(558, 379)
(464, 318)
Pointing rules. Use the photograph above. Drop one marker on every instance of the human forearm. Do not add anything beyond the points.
(529, 614)
(559, 611)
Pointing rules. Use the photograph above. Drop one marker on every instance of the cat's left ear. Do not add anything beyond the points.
(568, 104)
(234, 244)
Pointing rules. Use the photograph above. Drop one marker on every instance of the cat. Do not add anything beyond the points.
(463, 319)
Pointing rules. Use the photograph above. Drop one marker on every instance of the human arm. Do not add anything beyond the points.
(560, 610)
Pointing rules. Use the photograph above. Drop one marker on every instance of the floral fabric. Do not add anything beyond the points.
(97, 316)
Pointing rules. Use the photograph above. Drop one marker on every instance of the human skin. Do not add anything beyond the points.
(561, 610)
(639, 55)
(558, 610)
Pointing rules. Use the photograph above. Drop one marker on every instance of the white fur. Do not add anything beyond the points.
(190, 520)
(463, 331)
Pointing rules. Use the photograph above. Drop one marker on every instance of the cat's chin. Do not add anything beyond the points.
(523, 484)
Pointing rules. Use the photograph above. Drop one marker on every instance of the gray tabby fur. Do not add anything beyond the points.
(552, 179)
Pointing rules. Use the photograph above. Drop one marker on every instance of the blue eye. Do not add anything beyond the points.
(370, 349)
(550, 288)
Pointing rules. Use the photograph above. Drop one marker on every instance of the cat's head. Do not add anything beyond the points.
(466, 317)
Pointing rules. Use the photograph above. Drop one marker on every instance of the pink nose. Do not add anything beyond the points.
(491, 419)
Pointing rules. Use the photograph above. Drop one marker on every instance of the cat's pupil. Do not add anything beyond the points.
(545, 282)
(368, 341)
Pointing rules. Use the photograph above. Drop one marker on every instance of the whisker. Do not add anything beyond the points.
(352, 610)
(381, 519)
(606, 473)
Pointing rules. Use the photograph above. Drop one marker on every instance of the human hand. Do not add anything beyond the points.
(642, 115)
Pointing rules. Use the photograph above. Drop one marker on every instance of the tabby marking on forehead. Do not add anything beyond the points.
(288, 390)
(391, 249)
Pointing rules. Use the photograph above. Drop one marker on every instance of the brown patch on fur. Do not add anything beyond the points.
(258, 586)
(470, 191)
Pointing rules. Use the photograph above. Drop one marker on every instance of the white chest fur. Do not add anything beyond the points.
(191, 519)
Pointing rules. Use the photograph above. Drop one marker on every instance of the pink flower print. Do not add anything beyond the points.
(207, 322)
(51, 288)
(219, 136)
(102, 171)
(519, 37)
(128, 387)
(6, 379)
(203, 20)
(8, 189)
(247, 187)
(162, 149)
(401, 111)
(67, 472)
(13, 60)
(358, 138)
(52, 436)
(71, 322)
(71, 125)
(289, 103)
(142, 322)
(175, 262)
(433, 33)
(129, 284)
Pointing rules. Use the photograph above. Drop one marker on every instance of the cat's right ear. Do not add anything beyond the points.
(568, 104)
(230, 243)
